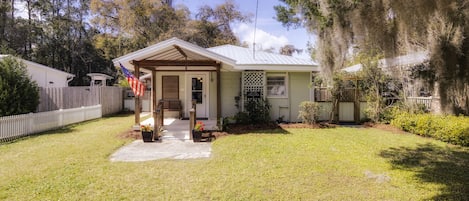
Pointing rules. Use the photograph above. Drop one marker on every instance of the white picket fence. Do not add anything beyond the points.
(12, 127)
(427, 101)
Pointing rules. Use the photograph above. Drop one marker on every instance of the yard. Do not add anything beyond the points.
(292, 164)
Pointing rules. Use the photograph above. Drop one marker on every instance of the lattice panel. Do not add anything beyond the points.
(253, 78)
(253, 85)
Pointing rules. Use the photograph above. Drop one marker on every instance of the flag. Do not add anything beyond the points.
(137, 87)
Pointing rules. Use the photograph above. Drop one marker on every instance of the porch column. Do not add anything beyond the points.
(137, 98)
(218, 95)
(154, 102)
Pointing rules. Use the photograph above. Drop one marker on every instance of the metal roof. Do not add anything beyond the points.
(37, 65)
(246, 57)
(234, 58)
(171, 50)
(404, 60)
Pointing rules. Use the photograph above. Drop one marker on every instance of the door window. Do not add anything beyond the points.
(197, 89)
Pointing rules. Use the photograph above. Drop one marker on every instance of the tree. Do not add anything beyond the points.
(289, 50)
(393, 27)
(212, 26)
(18, 93)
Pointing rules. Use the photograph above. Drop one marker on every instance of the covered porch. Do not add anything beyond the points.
(184, 76)
(177, 129)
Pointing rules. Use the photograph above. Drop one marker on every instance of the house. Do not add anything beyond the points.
(220, 79)
(45, 76)
(399, 67)
(99, 79)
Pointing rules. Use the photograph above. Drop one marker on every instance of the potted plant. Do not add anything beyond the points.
(147, 133)
(197, 132)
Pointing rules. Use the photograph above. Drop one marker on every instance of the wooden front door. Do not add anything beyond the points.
(170, 95)
(170, 87)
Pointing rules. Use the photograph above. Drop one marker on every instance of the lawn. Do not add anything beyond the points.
(292, 164)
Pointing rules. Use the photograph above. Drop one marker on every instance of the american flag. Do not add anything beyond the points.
(137, 87)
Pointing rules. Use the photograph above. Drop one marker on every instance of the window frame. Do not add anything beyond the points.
(285, 85)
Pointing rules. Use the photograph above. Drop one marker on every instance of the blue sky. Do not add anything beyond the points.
(269, 33)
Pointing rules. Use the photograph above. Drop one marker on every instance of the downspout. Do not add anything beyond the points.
(69, 80)
(289, 97)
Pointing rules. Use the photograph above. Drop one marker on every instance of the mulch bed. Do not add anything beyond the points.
(243, 129)
(130, 134)
(386, 127)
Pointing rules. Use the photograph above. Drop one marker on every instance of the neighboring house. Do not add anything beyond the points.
(400, 68)
(222, 78)
(45, 76)
(99, 79)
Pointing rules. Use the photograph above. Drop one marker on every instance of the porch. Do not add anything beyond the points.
(177, 129)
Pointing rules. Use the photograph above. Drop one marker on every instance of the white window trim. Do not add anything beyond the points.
(285, 75)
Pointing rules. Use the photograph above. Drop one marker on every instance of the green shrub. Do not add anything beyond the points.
(451, 129)
(255, 111)
(309, 112)
(18, 93)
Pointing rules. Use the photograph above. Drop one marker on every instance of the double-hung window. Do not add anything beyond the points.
(277, 85)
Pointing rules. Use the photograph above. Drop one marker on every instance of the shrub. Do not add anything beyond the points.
(256, 111)
(18, 93)
(451, 129)
(309, 112)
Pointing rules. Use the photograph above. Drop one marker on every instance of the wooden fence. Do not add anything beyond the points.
(111, 98)
(12, 127)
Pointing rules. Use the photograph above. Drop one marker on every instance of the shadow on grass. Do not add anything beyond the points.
(449, 167)
(58, 131)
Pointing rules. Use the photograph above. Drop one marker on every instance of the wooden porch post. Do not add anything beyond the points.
(356, 103)
(218, 95)
(137, 98)
(154, 102)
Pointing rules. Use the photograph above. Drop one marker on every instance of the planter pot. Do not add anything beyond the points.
(196, 135)
(147, 136)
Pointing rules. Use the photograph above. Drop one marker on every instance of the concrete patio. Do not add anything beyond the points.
(175, 143)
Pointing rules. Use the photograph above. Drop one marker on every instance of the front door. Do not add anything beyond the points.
(198, 92)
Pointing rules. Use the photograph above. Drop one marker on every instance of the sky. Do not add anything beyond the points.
(269, 32)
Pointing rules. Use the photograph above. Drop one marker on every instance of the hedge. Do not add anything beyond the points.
(451, 129)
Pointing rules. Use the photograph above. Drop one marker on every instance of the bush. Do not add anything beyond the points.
(309, 112)
(18, 93)
(256, 111)
(451, 129)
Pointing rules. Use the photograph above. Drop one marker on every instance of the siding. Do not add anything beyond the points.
(299, 92)
(231, 84)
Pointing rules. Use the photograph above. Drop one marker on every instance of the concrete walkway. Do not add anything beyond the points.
(175, 144)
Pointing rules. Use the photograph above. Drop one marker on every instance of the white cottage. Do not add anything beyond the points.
(222, 78)
(45, 76)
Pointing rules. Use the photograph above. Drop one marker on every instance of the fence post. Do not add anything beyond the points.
(61, 117)
(194, 106)
(191, 122)
(31, 123)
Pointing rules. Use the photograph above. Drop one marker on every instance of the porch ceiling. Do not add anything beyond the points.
(174, 54)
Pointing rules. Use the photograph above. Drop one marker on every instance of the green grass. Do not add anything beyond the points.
(305, 164)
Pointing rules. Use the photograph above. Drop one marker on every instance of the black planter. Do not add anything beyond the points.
(147, 136)
(196, 135)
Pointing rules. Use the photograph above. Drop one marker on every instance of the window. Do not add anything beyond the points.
(276, 85)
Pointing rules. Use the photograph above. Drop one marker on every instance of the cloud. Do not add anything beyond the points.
(264, 40)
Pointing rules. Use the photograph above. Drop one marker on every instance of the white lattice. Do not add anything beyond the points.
(253, 78)
(253, 85)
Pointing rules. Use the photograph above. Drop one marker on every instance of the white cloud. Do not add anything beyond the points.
(264, 40)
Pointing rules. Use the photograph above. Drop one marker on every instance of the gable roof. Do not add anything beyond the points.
(170, 50)
(37, 65)
(246, 59)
